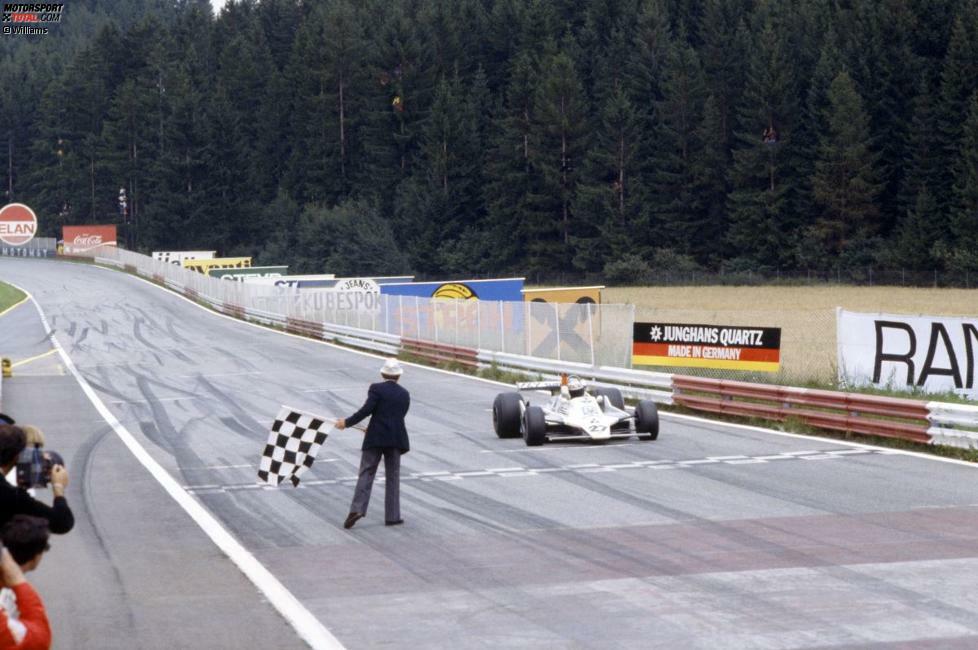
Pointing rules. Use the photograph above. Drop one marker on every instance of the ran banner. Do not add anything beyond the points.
(932, 353)
(728, 347)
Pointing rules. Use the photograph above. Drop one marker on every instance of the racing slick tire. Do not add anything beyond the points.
(534, 426)
(506, 415)
(647, 419)
(612, 396)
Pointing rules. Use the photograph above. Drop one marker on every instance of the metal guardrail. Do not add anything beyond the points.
(954, 425)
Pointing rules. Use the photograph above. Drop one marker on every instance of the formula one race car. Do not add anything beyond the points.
(573, 413)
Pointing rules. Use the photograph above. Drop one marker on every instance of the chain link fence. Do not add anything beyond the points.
(583, 333)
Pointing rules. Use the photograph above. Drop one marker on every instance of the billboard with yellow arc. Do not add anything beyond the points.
(580, 295)
(204, 266)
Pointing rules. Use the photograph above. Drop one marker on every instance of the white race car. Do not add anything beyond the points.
(573, 413)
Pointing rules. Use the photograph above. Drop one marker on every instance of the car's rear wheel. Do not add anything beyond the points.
(534, 426)
(611, 396)
(506, 415)
(647, 419)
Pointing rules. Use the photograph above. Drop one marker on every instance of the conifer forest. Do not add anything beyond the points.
(580, 138)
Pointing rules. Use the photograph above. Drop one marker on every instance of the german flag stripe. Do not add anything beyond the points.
(746, 354)
(761, 366)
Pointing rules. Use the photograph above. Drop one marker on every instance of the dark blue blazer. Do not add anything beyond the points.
(387, 404)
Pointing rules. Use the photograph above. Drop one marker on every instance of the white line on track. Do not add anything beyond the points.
(309, 628)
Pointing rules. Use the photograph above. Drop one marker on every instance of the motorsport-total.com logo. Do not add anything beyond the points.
(30, 18)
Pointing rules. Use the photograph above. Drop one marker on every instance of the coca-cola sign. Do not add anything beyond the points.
(85, 239)
(88, 241)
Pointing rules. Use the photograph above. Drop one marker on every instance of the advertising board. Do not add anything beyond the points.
(81, 239)
(506, 289)
(929, 353)
(728, 347)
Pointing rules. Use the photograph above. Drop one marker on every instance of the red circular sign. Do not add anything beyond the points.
(18, 224)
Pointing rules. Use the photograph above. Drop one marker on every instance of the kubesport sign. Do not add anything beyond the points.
(18, 224)
(931, 353)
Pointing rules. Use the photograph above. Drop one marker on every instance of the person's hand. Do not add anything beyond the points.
(10, 573)
(341, 424)
(59, 480)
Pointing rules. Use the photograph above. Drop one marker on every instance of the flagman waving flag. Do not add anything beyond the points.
(292, 446)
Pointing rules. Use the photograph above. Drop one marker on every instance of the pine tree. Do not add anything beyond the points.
(764, 204)
(959, 80)
(509, 180)
(964, 211)
(609, 198)
(845, 184)
(918, 233)
(445, 192)
(680, 113)
(925, 151)
(330, 87)
(559, 127)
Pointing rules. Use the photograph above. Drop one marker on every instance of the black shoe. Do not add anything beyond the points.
(396, 522)
(351, 519)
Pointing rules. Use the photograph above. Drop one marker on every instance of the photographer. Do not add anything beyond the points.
(25, 540)
(14, 500)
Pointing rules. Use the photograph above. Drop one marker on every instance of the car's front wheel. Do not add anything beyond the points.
(534, 426)
(647, 419)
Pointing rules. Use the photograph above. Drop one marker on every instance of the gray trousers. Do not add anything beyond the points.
(369, 460)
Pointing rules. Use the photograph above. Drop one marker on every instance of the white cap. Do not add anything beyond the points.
(392, 368)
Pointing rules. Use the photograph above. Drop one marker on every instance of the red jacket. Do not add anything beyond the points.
(33, 617)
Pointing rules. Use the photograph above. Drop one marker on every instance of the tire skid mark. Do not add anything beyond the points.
(84, 458)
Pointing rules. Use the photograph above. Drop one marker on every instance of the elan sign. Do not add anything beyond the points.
(18, 224)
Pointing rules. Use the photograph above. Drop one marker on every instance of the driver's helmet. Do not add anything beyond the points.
(575, 387)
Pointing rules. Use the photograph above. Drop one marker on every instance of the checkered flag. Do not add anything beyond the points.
(292, 446)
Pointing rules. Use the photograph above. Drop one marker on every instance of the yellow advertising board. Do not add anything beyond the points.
(580, 295)
(204, 266)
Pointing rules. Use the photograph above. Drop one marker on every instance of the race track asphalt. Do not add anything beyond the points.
(715, 536)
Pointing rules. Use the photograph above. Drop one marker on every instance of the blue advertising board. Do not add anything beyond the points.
(506, 289)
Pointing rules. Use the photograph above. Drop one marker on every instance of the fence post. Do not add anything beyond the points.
(557, 327)
(590, 332)
(502, 329)
(434, 317)
(417, 313)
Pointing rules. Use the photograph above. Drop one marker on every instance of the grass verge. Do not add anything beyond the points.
(9, 296)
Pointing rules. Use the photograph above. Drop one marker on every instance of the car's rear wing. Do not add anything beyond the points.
(552, 386)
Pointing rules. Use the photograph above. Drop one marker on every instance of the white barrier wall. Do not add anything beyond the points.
(932, 353)
(597, 335)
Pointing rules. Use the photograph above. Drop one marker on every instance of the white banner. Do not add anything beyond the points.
(930, 353)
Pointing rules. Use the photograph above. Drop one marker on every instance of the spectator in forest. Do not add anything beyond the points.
(15, 500)
(770, 135)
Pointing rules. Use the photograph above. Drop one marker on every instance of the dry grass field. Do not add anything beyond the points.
(805, 314)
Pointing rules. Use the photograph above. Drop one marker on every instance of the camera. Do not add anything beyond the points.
(34, 467)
